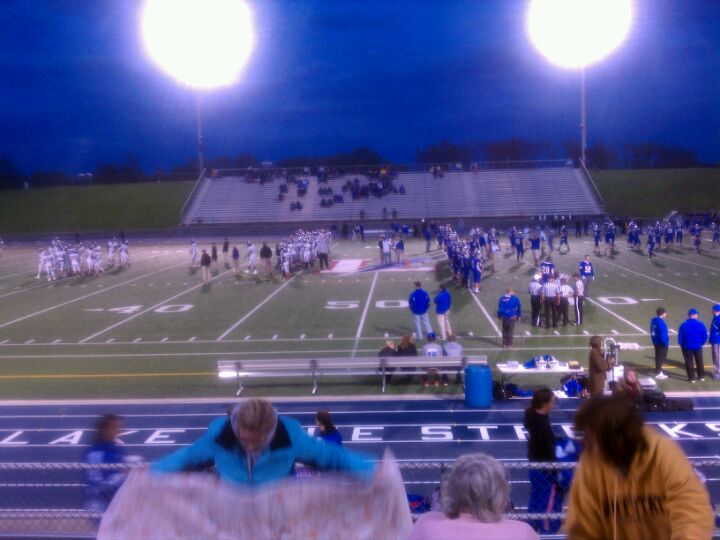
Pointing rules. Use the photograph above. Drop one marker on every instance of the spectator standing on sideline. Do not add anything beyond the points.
(715, 340)
(205, 262)
(225, 250)
(541, 448)
(579, 294)
(443, 303)
(236, 260)
(266, 258)
(474, 501)
(597, 367)
(692, 335)
(214, 257)
(427, 235)
(587, 273)
(509, 311)
(399, 250)
(326, 429)
(102, 484)
(660, 340)
(380, 248)
(255, 445)
(386, 248)
(323, 249)
(631, 482)
(419, 303)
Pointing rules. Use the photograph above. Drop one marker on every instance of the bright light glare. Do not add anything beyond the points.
(577, 33)
(201, 43)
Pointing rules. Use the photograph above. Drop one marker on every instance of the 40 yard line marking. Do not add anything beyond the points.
(253, 310)
(151, 308)
(104, 290)
(487, 315)
(364, 315)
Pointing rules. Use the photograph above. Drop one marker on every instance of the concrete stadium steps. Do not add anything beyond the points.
(487, 193)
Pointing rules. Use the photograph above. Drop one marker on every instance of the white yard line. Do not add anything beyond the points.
(253, 310)
(19, 319)
(688, 262)
(663, 283)
(248, 338)
(151, 308)
(487, 315)
(28, 273)
(364, 315)
(598, 304)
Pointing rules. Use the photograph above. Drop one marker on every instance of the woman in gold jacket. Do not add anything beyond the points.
(631, 482)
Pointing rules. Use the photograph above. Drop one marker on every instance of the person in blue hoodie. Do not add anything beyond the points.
(255, 445)
(715, 340)
(509, 311)
(692, 335)
(443, 302)
(660, 340)
(102, 484)
(419, 303)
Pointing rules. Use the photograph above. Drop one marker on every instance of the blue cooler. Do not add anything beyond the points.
(478, 386)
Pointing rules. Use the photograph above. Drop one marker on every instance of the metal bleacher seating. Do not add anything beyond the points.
(484, 193)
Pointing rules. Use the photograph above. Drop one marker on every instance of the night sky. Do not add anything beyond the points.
(77, 89)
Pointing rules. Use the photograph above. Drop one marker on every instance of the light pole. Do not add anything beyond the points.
(583, 117)
(201, 144)
(175, 38)
(574, 34)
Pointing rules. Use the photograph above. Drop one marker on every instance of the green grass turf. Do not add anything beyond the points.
(115, 344)
(657, 192)
(108, 207)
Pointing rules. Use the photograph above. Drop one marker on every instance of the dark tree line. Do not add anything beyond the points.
(598, 156)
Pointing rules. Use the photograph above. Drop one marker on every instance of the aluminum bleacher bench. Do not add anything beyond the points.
(239, 370)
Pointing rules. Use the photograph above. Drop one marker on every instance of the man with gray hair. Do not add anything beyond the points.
(474, 499)
(255, 445)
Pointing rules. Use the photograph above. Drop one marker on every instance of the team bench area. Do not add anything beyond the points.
(314, 368)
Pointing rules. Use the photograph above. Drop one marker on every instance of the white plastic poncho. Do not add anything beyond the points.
(196, 505)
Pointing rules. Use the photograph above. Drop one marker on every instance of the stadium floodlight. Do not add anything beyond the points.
(574, 34)
(204, 44)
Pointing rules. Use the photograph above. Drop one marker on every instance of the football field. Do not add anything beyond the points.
(154, 330)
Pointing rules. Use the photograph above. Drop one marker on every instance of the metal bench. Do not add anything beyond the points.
(316, 367)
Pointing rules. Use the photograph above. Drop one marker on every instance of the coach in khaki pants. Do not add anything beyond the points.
(443, 301)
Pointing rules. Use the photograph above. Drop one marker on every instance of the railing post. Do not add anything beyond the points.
(313, 367)
(238, 367)
(383, 363)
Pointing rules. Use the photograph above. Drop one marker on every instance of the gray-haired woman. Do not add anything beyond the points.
(474, 498)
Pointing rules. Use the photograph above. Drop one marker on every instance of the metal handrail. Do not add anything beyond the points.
(191, 196)
(593, 184)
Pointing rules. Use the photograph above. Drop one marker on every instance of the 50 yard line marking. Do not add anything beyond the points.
(364, 315)
(253, 310)
(151, 308)
(104, 290)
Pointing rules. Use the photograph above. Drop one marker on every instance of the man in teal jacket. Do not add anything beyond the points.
(255, 445)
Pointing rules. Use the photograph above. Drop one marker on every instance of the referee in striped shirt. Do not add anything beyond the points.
(551, 301)
(535, 290)
(566, 293)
